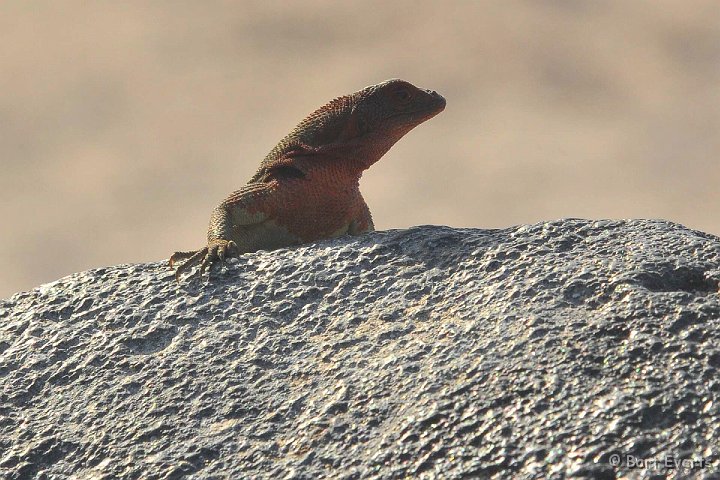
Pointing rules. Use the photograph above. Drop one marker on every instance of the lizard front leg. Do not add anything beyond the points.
(243, 208)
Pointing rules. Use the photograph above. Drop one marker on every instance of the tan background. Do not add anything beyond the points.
(123, 123)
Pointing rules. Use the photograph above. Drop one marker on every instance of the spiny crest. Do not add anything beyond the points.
(332, 109)
(321, 126)
(335, 108)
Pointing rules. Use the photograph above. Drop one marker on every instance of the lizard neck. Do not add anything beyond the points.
(330, 168)
(352, 157)
(346, 161)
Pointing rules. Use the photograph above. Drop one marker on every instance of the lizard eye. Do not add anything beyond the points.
(403, 94)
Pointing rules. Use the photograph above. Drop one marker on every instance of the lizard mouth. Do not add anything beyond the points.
(435, 104)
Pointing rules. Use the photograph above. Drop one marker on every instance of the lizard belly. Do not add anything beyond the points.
(267, 235)
(311, 216)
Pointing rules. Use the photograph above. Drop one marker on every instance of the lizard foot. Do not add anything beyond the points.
(216, 250)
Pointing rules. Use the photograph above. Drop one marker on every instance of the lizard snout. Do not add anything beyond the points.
(439, 99)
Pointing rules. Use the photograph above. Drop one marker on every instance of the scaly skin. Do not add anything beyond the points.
(307, 188)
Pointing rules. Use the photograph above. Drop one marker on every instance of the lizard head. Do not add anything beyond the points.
(360, 127)
(382, 114)
(394, 105)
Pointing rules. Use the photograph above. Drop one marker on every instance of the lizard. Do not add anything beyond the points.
(307, 188)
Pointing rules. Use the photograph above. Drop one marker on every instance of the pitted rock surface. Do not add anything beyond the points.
(536, 351)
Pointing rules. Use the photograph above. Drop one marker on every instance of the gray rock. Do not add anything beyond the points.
(537, 351)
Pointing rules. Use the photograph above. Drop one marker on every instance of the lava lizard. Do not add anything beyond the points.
(307, 187)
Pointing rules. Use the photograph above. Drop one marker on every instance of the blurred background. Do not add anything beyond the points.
(122, 124)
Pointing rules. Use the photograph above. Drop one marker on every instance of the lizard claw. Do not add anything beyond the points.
(190, 259)
(227, 249)
(205, 257)
(180, 256)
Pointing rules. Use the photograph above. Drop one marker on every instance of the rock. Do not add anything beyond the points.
(536, 351)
